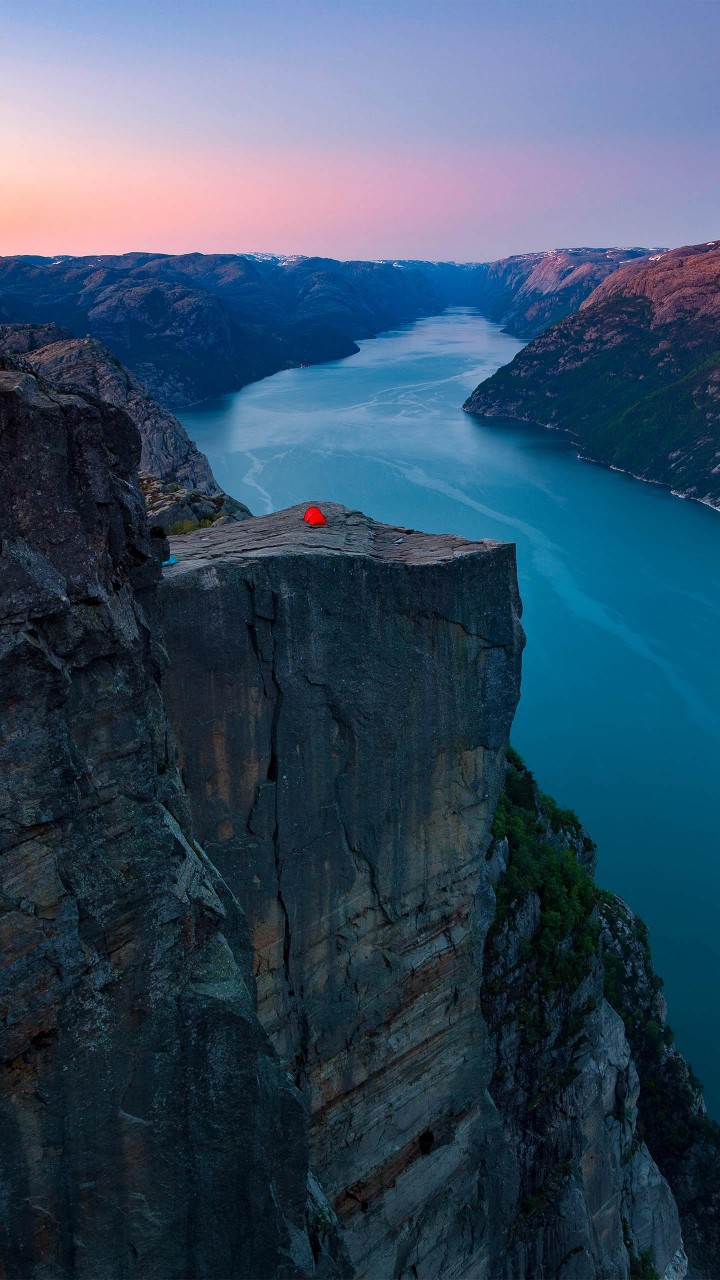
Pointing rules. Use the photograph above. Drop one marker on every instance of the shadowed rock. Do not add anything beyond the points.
(195, 325)
(147, 1127)
(167, 451)
(342, 697)
(176, 477)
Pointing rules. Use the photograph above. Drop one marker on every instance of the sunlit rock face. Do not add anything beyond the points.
(147, 1127)
(633, 376)
(342, 697)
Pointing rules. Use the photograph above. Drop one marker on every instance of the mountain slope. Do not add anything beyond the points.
(634, 375)
(529, 291)
(196, 325)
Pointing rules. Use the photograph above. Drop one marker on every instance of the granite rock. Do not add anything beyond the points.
(148, 1128)
(342, 697)
(167, 452)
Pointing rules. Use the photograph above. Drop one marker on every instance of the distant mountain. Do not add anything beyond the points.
(634, 375)
(197, 325)
(530, 291)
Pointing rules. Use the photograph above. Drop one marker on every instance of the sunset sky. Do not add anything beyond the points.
(404, 128)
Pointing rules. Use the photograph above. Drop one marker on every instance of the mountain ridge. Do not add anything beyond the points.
(633, 376)
(529, 291)
(189, 326)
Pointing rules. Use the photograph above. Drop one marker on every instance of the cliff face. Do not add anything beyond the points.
(671, 1108)
(175, 476)
(166, 452)
(587, 1194)
(634, 375)
(461, 1008)
(437, 995)
(342, 698)
(148, 1128)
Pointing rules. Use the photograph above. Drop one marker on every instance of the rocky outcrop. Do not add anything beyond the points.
(671, 1108)
(343, 697)
(586, 1195)
(440, 992)
(167, 452)
(481, 1074)
(19, 339)
(148, 1127)
(175, 477)
(175, 509)
(633, 376)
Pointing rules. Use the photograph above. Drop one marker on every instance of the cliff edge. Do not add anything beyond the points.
(342, 698)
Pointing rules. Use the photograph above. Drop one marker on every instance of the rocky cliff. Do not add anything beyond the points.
(482, 1078)
(437, 989)
(343, 697)
(148, 1128)
(176, 477)
(671, 1109)
(589, 1198)
(166, 452)
(634, 375)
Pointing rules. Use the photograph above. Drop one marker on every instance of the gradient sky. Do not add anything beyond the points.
(358, 128)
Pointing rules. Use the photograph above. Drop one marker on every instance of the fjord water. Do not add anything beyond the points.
(620, 709)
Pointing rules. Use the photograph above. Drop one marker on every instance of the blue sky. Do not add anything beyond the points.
(451, 129)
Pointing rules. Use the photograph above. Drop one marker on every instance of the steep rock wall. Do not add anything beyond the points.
(586, 1196)
(147, 1128)
(342, 698)
(167, 453)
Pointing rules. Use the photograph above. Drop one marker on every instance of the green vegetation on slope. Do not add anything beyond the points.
(635, 397)
(546, 967)
(670, 1117)
(567, 935)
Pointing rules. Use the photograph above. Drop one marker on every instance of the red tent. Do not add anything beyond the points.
(314, 515)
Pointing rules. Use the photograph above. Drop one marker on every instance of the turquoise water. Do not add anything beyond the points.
(620, 712)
